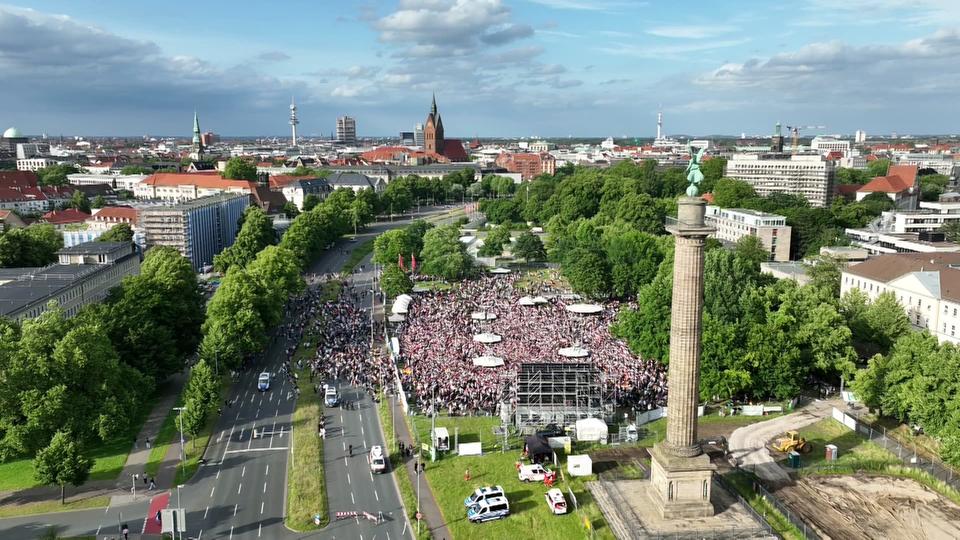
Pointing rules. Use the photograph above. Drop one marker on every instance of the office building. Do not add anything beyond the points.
(825, 145)
(941, 164)
(347, 131)
(529, 166)
(84, 275)
(199, 228)
(881, 243)
(418, 135)
(32, 150)
(407, 138)
(809, 175)
(931, 216)
(860, 137)
(35, 163)
(927, 286)
(732, 224)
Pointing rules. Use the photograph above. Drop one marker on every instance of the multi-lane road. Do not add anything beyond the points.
(240, 493)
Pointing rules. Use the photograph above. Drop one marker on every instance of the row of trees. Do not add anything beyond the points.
(75, 383)
(35, 245)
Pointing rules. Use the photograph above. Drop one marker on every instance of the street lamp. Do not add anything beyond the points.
(180, 422)
(178, 509)
(133, 481)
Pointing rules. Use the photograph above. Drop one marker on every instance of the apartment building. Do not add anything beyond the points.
(347, 130)
(732, 224)
(808, 175)
(199, 228)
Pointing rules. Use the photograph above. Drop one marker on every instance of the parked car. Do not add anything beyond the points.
(489, 510)
(532, 473)
(483, 493)
(556, 502)
(263, 381)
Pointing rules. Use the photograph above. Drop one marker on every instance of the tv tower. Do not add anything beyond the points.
(293, 121)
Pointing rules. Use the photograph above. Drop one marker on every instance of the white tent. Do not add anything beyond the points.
(579, 465)
(539, 300)
(500, 270)
(401, 304)
(487, 337)
(574, 352)
(396, 318)
(591, 429)
(488, 361)
(483, 316)
(526, 301)
(585, 309)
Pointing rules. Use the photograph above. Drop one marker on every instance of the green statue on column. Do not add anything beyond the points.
(694, 176)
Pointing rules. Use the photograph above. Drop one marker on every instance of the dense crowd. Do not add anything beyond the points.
(339, 333)
(437, 346)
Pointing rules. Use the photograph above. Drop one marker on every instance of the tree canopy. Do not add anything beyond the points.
(239, 168)
(121, 232)
(35, 245)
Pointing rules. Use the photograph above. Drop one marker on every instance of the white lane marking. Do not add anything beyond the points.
(212, 490)
(250, 441)
(352, 500)
(275, 413)
(240, 438)
(239, 487)
(107, 509)
(362, 434)
(270, 399)
(268, 471)
(220, 438)
(258, 449)
(261, 402)
(243, 471)
(264, 487)
(259, 528)
(348, 478)
(98, 531)
(371, 475)
(231, 531)
(281, 431)
(261, 508)
(252, 398)
(205, 510)
(344, 445)
(375, 495)
(238, 416)
(218, 475)
(235, 509)
(341, 418)
(227, 446)
(388, 535)
(201, 534)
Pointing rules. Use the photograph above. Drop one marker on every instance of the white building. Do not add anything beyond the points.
(35, 164)
(929, 217)
(825, 145)
(732, 224)
(128, 182)
(32, 150)
(542, 146)
(347, 130)
(927, 286)
(942, 164)
(860, 137)
(810, 176)
(879, 243)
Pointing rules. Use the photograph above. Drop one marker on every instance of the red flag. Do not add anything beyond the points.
(400, 261)
(413, 262)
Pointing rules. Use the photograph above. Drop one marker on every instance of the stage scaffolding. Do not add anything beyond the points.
(561, 394)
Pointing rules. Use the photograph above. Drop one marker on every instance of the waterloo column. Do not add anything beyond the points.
(681, 473)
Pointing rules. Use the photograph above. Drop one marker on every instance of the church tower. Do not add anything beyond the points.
(433, 130)
(197, 139)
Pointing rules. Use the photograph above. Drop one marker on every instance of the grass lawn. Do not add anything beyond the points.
(356, 256)
(47, 507)
(167, 435)
(108, 458)
(850, 446)
(528, 511)
(406, 485)
(306, 486)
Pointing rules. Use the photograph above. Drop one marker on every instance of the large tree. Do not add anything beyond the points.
(529, 247)
(390, 246)
(235, 325)
(444, 255)
(62, 462)
(730, 193)
(35, 245)
(395, 281)
(256, 233)
(121, 232)
(239, 168)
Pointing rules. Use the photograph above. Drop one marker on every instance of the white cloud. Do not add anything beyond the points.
(690, 31)
(590, 5)
(397, 78)
(666, 51)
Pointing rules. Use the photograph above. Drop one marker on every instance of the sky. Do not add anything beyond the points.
(499, 68)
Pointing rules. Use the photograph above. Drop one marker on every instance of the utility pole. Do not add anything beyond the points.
(180, 422)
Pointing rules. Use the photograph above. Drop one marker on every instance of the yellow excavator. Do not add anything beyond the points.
(792, 441)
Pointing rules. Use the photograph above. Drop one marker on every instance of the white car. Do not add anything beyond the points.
(378, 463)
(532, 473)
(263, 382)
(556, 502)
(483, 493)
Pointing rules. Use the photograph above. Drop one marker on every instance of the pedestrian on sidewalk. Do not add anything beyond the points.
(153, 484)
(148, 443)
(146, 480)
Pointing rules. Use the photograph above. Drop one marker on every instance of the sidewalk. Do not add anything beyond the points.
(118, 488)
(428, 504)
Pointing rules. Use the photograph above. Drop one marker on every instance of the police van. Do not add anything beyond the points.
(489, 510)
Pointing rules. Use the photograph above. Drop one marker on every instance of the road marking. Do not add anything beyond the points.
(272, 430)
(231, 531)
(264, 487)
(212, 490)
(98, 531)
(258, 449)
(362, 434)
(250, 440)
(341, 418)
(344, 446)
(201, 534)
(243, 471)
(259, 528)
(107, 509)
(240, 438)
(238, 416)
(220, 438)
(235, 509)
(268, 471)
(261, 402)
(371, 475)
(270, 399)
(261, 508)
(252, 398)
(227, 445)
(239, 487)
(348, 478)
(218, 475)
(352, 500)
(375, 495)
(205, 510)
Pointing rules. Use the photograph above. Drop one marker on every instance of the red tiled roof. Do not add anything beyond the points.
(125, 214)
(203, 180)
(57, 192)
(18, 178)
(453, 150)
(21, 194)
(899, 178)
(848, 190)
(279, 181)
(63, 217)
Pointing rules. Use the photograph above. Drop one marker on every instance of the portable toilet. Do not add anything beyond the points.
(793, 458)
(441, 439)
(831, 452)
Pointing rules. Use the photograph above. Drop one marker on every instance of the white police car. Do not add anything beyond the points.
(263, 382)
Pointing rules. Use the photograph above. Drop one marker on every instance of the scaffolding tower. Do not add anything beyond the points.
(561, 394)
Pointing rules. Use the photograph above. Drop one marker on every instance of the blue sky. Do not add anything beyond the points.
(499, 67)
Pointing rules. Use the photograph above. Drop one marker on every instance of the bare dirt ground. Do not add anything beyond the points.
(862, 506)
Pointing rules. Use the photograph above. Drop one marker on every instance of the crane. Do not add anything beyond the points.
(796, 135)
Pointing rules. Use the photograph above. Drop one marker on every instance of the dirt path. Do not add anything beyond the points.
(862, 506)
(748, 444)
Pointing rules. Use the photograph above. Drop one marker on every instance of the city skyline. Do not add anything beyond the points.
(499, 68)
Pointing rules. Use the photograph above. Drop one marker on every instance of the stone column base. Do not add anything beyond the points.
(680, 486)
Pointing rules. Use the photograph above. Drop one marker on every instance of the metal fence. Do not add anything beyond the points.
(761, 519)
(806, 530)
(907, 454)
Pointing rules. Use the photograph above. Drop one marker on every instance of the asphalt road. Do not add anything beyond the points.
(240, 492)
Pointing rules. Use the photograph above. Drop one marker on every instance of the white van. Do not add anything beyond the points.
(331, 398)
(489, 510)
(532, 473)
(378, 463)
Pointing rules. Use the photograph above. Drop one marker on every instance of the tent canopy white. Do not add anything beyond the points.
(487, 337)
(526, 301)
(579, 465)
(539, 300)
(574, 352)
(488, 361)
(585, 309)
(500, 270)
(402, 304)
(396, 318)
(591, 429)
(483, 316)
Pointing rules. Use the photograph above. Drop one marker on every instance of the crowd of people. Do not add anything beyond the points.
(437, 347)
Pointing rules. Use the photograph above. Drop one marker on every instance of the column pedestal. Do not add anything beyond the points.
(680, 486)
